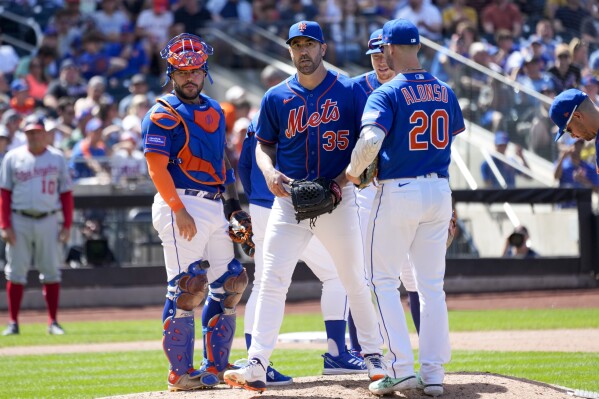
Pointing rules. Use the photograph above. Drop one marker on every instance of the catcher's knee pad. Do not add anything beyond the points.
(177, 342)
(229, 288)
(189, 288)
(218, 340)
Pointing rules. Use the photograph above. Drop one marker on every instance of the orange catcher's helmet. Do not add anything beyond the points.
(185, 52)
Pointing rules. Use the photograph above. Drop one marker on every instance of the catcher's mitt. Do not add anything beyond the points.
(240, 231)
(451, 229)
(312, 198)
(368, 175)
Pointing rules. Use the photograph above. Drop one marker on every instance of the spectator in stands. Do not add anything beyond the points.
(139, 106)
(425, 15)
(297, 10)
(45, 55)
(95, 60)
(532, 76)
(456, 13)
(590, 85)
(110, 20)
(69, 84)
(191, 16)
(271, 76)
(544, 36)
(9, 57)
(505, 46)
(573, 171)
(580, 53)
(507, 171)
(589, 27)
(154, 24)
(127, 163)
(517, 244)
(87, 157)
(240, 10)
(132, 53)
(566, 75)
(11, 120)
(37, 79)
(67, 32)
(133, 8)
(537, 127)
(386, 8)
(501, 14)
(21, 101)
(137, 85)
(567, 20)
(96, 92)
(347, 34)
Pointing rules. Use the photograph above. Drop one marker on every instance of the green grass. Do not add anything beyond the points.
(91, 375)
(104, 374)
(147, 330)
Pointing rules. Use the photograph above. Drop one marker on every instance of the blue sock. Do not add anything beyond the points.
(353, 334)
(248, 340)
(335, 336)
(169, 309)
(415, 309)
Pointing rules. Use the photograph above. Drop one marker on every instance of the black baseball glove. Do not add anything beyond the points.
(312, 198)
(240, 231)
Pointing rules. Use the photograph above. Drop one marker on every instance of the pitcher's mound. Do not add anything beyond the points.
(457, 386)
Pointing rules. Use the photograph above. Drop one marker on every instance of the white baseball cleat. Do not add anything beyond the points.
(55, 329)
(390, 385)
(376, 366)
(430, 389)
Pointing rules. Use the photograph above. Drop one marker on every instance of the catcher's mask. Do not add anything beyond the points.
(186, 52)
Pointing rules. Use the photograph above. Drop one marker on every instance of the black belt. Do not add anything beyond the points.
(203, 194)
(34, 215)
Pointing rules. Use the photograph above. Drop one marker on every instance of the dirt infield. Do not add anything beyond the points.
(457, 386)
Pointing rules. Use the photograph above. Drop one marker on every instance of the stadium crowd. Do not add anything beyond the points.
(97, 70)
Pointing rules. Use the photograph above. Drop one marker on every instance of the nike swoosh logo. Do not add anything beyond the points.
(401, 185)
(286, 100)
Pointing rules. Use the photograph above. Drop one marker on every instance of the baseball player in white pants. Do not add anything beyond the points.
(337, 360)
(307, 127)
(410, 122)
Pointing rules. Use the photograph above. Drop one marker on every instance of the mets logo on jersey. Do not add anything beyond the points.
(295, 122)
(302, 26)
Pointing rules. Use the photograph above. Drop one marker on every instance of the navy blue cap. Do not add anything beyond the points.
(399, 31)
(34, 122)
(309, 29)
(563, 108)
(375, 37)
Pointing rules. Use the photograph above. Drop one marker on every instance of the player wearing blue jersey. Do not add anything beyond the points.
(410, 123)
(380, 74)
(338, 360)
(575, 113)
(308, 126)
(184, 145)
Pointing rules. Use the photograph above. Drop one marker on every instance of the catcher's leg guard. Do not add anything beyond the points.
(177, 342)
(218, 339)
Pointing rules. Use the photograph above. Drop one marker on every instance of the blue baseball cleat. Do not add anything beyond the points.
(345, 363)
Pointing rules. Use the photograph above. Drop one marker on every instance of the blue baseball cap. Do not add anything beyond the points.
(375, 37)
(563, 108)
(19, 85)
(501, 138)
(309, 29)
(399, 31)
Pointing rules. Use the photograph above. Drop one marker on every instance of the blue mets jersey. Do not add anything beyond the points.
(192, 136)
(252, 178)
(368, 81)
(419, 115)
(315, 130)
